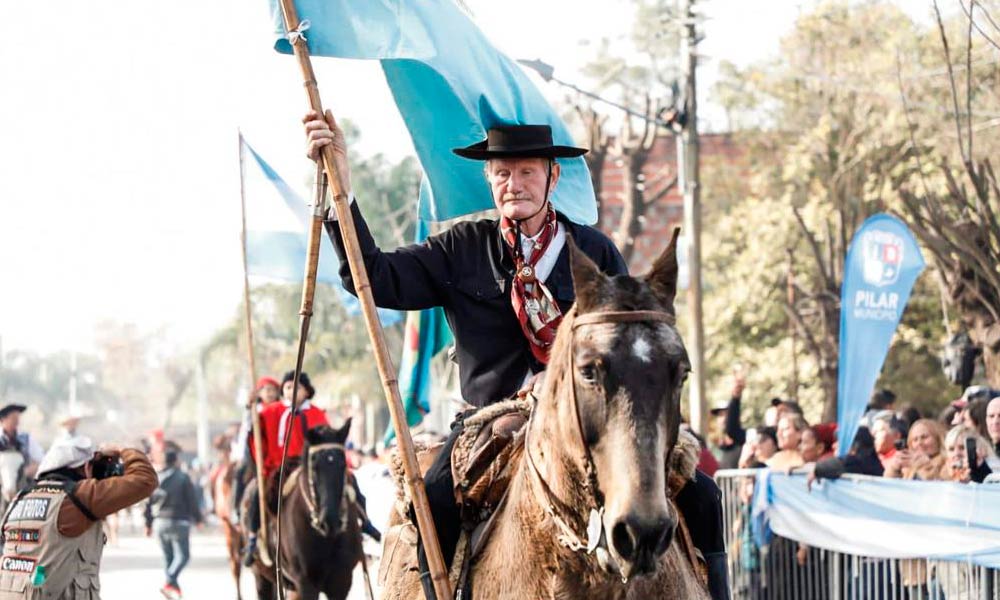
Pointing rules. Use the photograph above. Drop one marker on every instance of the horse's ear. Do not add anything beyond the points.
(588, 280)
(340, 436)
(662, 277)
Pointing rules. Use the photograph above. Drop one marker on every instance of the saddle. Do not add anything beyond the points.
(486, 456)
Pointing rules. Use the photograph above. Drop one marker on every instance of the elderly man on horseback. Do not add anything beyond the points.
(504, 286)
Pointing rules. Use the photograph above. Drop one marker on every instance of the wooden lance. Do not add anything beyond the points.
(387, 372)
(265, 555)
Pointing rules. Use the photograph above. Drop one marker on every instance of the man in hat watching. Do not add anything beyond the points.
(504, 285)
(276, 421)
(68, 427)
(10, 437)
(53, 537)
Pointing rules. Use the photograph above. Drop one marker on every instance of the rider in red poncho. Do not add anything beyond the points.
(275, 421)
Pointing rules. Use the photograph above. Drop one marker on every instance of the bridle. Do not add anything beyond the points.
(308, 490)
(555, 508)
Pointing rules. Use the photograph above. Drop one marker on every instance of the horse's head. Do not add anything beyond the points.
(622, 358)
(325, 478)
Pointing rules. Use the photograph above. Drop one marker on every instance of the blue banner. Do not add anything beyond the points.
(450, 85)
(883, 263)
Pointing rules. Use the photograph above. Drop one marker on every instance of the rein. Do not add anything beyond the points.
(555, 508)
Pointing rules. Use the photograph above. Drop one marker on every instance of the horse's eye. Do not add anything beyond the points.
(589, 373)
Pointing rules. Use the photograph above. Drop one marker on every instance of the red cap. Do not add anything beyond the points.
(265, 380)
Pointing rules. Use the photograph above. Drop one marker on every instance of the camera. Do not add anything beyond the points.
(105, 466)
(900, 444)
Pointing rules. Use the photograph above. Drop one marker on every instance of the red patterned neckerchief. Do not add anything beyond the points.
(537, 312)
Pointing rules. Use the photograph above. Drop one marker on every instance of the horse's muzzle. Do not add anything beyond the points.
(641, 542)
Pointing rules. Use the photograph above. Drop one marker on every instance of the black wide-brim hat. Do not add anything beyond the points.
(518, 141)
(6, 410)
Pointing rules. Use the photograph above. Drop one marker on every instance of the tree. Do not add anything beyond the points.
(954, 210)
(647, 86)
(828, 149)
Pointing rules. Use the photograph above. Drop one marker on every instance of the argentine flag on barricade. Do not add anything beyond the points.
(881, 517)
(450, 85)
(277, 221)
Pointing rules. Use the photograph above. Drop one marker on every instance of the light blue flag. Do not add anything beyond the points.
(883, 263)
(450, 85)
(277, 224)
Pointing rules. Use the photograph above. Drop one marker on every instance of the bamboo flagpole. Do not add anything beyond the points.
(258, 438)
(305, 318)
(414, 481)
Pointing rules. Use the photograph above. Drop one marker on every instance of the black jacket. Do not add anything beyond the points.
(467, 270)
(865, 462)
(175, 499)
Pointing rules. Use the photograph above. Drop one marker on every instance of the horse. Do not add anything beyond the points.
(222, 479)
(586, 515)
(320, 541)
(11, 476)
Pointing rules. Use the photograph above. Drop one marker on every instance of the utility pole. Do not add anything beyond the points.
(689, 180)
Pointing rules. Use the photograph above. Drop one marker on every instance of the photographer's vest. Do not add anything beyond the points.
(40, 563)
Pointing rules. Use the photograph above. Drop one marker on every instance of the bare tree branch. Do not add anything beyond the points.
(814, 245)
(970, 13)
(951, 79)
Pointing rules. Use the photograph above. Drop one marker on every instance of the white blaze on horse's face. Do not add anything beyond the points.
(641, 349)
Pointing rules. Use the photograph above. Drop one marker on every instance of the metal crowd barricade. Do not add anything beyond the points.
(787, 570)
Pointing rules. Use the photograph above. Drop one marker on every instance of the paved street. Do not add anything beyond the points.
(133, 570)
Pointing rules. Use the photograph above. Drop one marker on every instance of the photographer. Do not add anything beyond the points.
(53, 539)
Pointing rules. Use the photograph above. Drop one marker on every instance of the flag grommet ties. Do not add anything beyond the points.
(299, 32)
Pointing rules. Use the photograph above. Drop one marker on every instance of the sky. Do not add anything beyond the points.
(119, 174)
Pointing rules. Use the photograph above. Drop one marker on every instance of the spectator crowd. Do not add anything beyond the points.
(961, 444)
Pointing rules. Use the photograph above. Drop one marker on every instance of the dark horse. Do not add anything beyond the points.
(320, 541)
